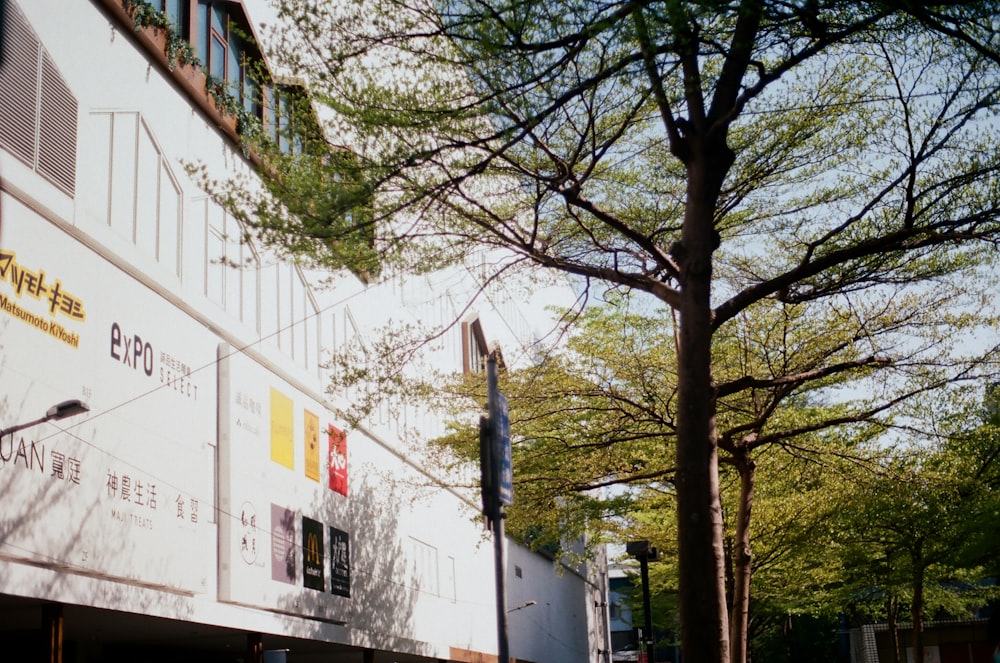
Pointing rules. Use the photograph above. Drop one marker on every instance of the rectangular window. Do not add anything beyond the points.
(311, 327)
(125, 129)
(474, 348)
(272, 113)
(251, 95)
(176, 11)
(147, 193)
(425, 567)
(233, 266)
(170, 209)
(234, 67)
(284, 307)
(217, 58)
(215, 255)
(269, 302)
(250, 285)
(298, 295)
(200, 41)
(96, 177)
(195, 224)
(219, 20)
(284, 126)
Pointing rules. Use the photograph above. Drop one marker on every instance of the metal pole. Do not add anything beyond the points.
(647, 614)
(499, 539)
(58, 411)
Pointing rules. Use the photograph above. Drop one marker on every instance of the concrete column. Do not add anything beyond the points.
(52, 629)
(255, 648)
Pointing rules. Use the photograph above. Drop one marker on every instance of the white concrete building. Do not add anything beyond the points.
(210, 506)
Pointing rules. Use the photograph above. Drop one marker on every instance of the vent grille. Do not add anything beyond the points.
(57, 120)
(19, 87)
(38, 113)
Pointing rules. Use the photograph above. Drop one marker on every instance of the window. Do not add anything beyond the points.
(284, 107)
(38, 109)
(232, 272)
(221, 37)
(130, 186)
(474, 349)
(425, 567)
(176, 11)
(221, 42)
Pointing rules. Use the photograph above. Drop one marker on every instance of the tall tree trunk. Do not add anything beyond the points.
(917, 609)
(739, 619)
(701, 595)
(894, 629)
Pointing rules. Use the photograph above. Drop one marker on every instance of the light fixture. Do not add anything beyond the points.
(645, 553)
(58, 411)
(526, 604)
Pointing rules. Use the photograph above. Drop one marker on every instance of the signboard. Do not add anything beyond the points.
(313, 552)
(337, 460)
(270, 453)
(503, 452)
(340, 562)
(127, 490)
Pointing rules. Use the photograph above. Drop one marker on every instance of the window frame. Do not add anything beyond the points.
(475, 350)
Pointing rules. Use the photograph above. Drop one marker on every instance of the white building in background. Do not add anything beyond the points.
(209, 506)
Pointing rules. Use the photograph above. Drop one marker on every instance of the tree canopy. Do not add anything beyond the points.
(829, 167)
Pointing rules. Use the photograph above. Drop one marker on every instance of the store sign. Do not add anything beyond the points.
(312, 554)
(340, 562)
(28, 285)
(132, 485)
(338, 460)
(283, 552)
(304, 524)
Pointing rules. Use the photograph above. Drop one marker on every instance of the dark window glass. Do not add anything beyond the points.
(201, 25)
(217, 59)
(219, 19)
(251, 96)
(174, 9)
(234, 68)
(272, 113)
(284, 130)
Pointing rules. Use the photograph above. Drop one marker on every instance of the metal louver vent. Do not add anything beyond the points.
(38, 113)
(57, 124)
(19, 87)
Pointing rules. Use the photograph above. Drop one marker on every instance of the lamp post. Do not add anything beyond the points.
(645, 553)
(58, 411)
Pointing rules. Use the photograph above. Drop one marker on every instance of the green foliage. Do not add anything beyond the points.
(810, 187)
(178, 50)
(921, 532)
(145, 15)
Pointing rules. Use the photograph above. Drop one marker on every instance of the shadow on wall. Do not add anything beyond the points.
(382, 604)
(111, 516)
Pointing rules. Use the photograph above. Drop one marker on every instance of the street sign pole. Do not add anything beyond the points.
(497, 428)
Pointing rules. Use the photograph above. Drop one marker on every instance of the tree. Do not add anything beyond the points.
(602, 413)
(718, 156)
(917, 535)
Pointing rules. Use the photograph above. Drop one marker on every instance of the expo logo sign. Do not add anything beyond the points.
(133, 352)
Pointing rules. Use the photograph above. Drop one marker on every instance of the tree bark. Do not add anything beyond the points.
(917, 609)
(742, 560)
(894, 629)
(702, 597)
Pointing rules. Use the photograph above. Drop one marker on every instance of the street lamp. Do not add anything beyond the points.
(526, 604)
(58, 411)
(645, 553)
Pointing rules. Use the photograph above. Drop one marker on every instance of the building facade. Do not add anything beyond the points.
(210, 506)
